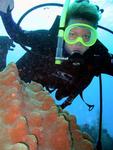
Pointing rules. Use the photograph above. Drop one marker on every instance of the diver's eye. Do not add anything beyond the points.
(86, 37)
(72, 35)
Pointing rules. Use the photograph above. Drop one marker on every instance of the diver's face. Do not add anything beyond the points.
(78, 47)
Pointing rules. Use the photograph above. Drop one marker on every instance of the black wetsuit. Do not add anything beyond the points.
(69, 78)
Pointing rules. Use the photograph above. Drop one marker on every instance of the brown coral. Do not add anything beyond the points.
(30, 120)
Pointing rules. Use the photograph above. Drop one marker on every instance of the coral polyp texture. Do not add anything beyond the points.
(30, 120)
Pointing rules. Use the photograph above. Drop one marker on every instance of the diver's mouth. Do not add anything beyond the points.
(75, 51)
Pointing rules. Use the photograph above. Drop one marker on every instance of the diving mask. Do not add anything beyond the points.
(80, 32)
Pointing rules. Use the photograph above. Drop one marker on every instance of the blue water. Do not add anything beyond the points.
(91, 93)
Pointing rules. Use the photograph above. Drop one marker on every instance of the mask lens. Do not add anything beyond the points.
(83, 33)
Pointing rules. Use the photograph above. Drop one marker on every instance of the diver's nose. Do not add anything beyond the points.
(79, 44)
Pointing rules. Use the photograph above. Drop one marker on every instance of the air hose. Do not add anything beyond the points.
(99, 143)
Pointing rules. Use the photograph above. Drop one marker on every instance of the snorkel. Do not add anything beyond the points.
(59, 50)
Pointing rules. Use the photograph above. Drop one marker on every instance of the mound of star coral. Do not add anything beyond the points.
(30, 120)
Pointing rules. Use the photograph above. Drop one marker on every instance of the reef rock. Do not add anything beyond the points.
(30, 120)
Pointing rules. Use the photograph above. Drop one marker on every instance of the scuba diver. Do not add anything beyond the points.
(84, 56)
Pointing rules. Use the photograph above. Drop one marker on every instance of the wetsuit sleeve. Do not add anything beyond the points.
(28, 38)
